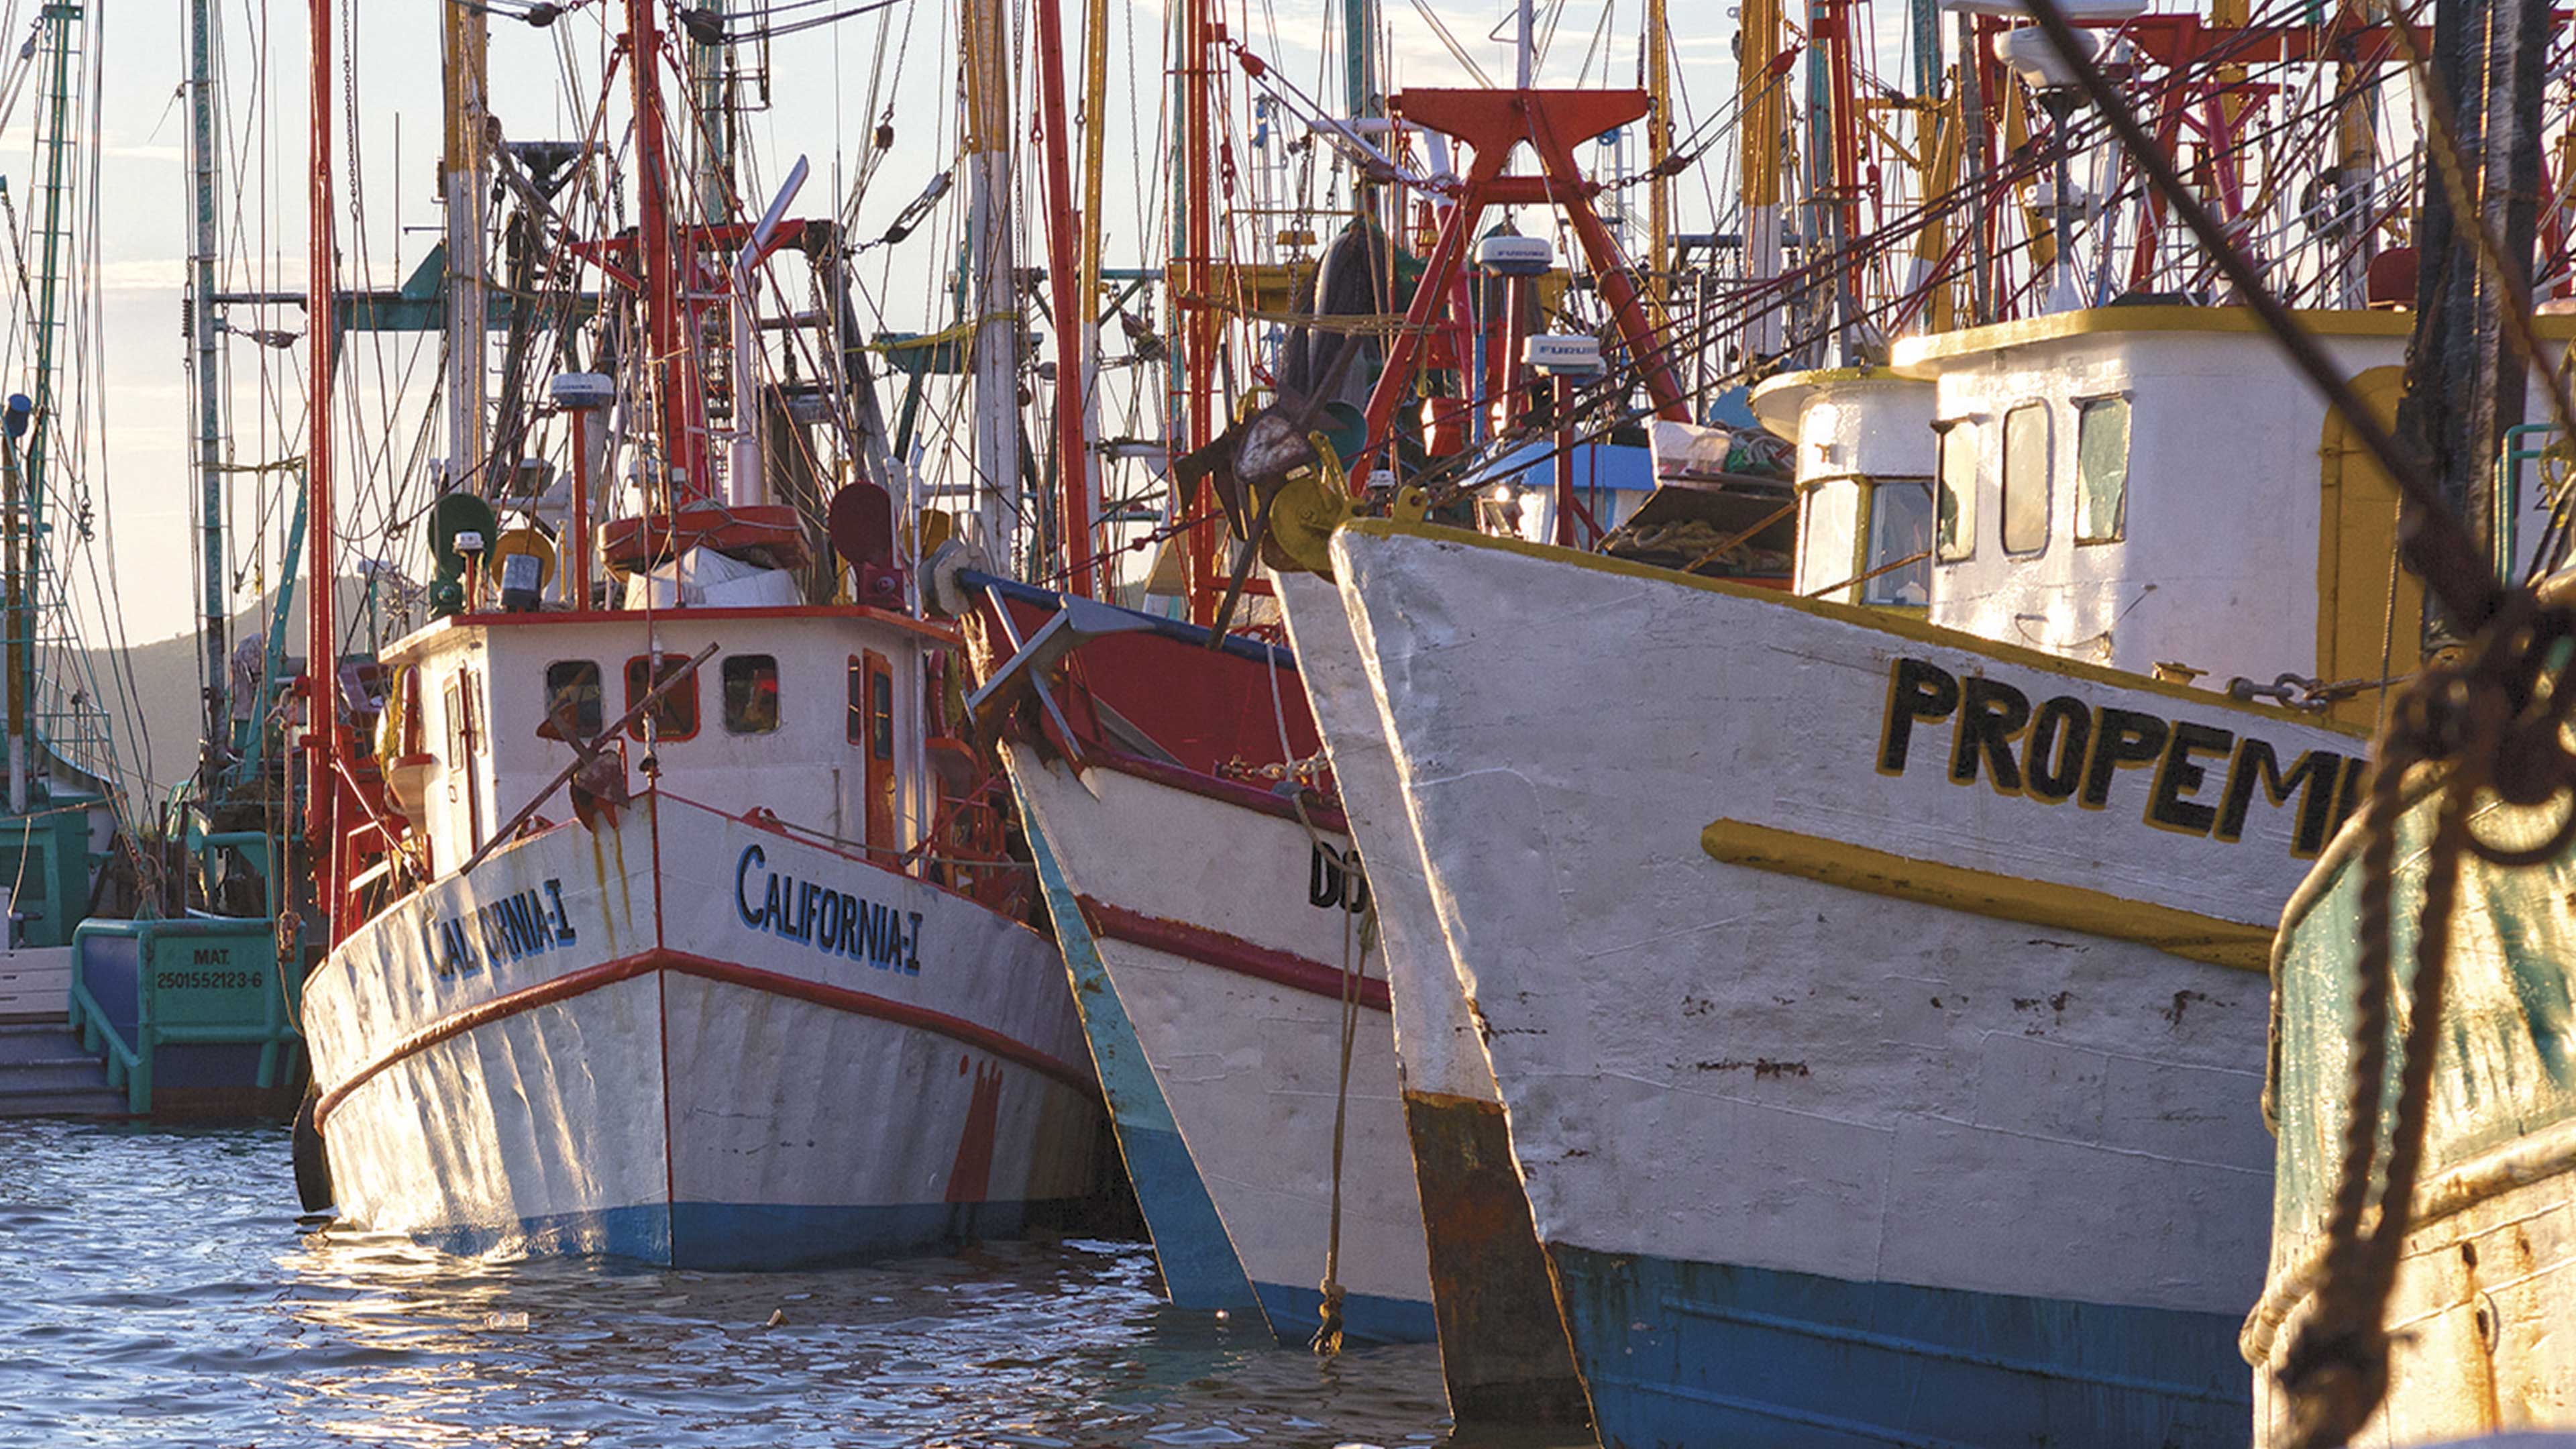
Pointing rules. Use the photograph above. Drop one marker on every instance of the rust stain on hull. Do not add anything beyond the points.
(1503, 1349)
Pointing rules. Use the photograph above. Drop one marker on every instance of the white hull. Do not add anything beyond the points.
(693, 1039)
(1848, 1099)
(1502, 1346)
(1201, 911)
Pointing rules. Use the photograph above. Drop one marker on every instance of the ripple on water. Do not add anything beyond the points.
(153, 1286)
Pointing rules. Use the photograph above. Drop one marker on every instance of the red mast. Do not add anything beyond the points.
(1072, 309)
(1202, 577)
(323, 733)
(672, 367)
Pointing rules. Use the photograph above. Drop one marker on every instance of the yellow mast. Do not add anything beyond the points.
(1659, 147)
(464, 171)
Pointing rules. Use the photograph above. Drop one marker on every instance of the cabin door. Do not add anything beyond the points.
(464, 774)
(876, 681)
(2357, 618)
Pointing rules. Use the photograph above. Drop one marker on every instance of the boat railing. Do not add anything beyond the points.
(76, 729)
(969, 850)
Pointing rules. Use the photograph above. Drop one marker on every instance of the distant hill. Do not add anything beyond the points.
(167, 686)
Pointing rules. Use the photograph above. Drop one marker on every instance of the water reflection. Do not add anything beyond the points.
(153, 1286)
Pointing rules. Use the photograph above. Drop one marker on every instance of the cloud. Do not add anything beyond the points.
(143, 274)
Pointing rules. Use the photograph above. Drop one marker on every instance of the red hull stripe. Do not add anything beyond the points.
(681, 963)
(1225, 953)
(1230, 792)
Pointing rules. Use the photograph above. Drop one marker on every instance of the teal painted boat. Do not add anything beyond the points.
(2485, 1292)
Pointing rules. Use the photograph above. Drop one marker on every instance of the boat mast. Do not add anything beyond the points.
(992, 265)
(670, 368)
(323, 732)
(1364, 101)
(711, 63)
(1199, 337)
(1070, 303)
(206, 343)
(1972, 152)
(1095, 133)
(465, 187)
(1659, 147)
(27, 583)
(1762, 105)
(1359, 59)
(2488, 57)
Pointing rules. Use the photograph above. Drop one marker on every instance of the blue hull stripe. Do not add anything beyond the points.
(1676, 1352)
(1295, 1314)
(741, 1237)
(1200, 1269)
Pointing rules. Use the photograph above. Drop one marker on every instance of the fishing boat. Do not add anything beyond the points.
(1156, 729)
(2418, 1082)
(2480, 1279)
(1871, 918)
(1171, 767)
(668, 915)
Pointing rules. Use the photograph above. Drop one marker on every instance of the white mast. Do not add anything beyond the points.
(992, 272)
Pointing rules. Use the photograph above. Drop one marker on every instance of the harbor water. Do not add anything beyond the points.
(157, 1288)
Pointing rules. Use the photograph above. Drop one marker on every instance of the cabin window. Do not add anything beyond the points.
(2102, 470)
(674, 716)
(750, 694)
(1826, 530)
(880, 714)
(572, 689)
(1900, 544)
(872, 706)
(2026, 478)
(460, 733)
(1955, 511)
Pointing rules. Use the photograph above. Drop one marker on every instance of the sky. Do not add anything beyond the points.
(822, 85)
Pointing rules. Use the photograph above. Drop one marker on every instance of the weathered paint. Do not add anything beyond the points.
(1250, 1065)
(1845, 1363)
(764, 1086)
(1199, 1266)
(2484, 1293)
(1503, 1349)
(1710, 1066)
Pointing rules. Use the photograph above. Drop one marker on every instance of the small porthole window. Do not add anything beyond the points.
(674, 716)
(750, 694)
(2102, 471)
(2026, 478)
(572, 692)
(1955, 509)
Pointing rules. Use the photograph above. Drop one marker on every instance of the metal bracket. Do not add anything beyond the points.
(1077, 622)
